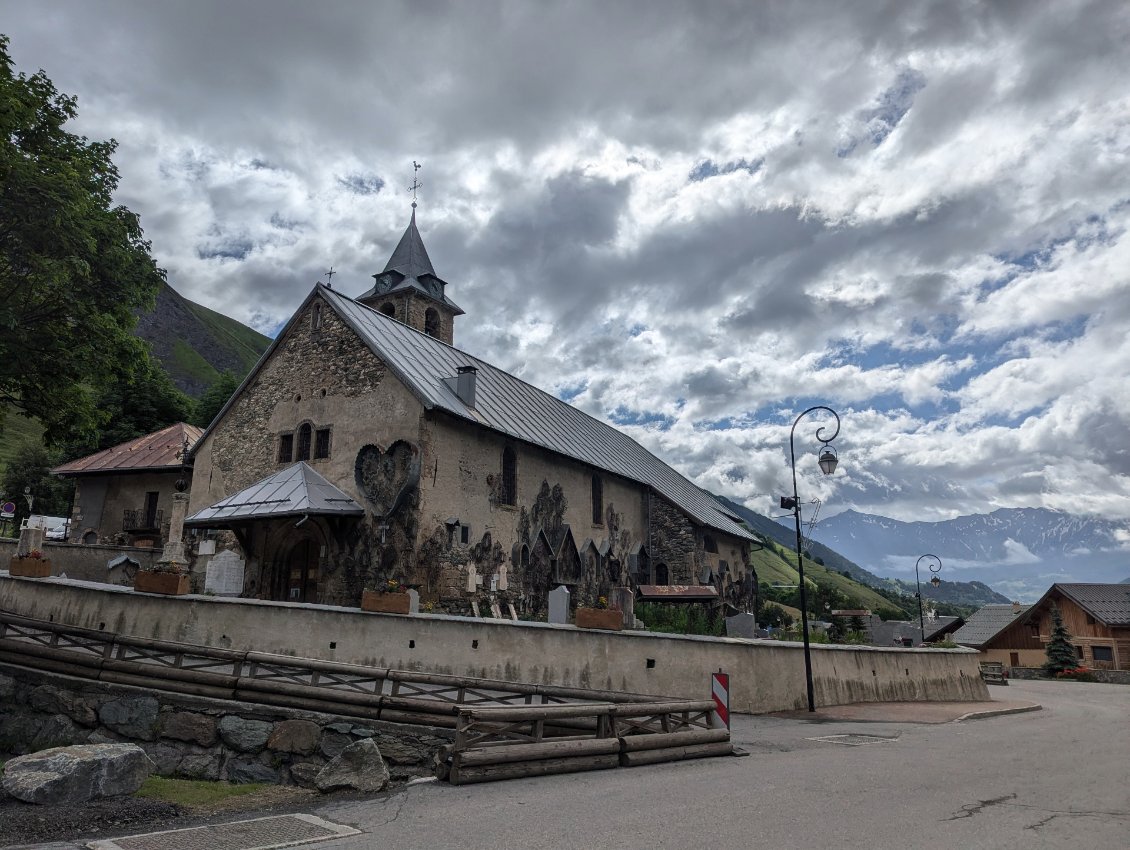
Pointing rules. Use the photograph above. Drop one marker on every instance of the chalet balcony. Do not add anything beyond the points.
(142, 521)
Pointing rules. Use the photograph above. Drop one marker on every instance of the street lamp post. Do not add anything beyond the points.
(934, 580)
(828, 461)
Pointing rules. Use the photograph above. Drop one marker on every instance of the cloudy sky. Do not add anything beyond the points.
(693, 220)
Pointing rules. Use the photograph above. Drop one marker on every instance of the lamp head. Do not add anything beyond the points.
(935, 581)
(828, 459)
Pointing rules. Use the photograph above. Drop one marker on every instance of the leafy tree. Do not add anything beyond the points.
(141, 399)
(214, 398)
(31, 467)
(73, 267)
(1061, 652)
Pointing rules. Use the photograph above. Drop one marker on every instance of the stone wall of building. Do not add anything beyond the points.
(327, 377)
(195, 737)
(121, 493)
(460, 488)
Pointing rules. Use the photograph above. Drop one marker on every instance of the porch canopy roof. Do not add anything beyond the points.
(295, 491)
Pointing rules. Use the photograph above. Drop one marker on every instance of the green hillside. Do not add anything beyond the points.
(16, 431)
(196, 344)
(778, 566)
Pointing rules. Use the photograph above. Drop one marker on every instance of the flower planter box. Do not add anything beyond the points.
(385, 603)
(29, 567)
(170, 584)
(600, 618)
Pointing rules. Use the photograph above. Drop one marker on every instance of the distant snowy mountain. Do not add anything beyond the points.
(1017, 551)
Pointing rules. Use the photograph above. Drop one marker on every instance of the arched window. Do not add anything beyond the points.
(597, 499)
(661, 574)
(508, 492)
(431, 322)
(388, 309)
(303, 448)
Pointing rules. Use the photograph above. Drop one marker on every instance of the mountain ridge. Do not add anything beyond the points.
(195, 344)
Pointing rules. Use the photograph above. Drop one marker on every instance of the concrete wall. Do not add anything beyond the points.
(87, 563)
(765, 675)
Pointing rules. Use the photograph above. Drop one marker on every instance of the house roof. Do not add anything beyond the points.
(987, 622)
(293, 491)
(1107, 603)
(510, 406)
(159, 451)
(886, 632)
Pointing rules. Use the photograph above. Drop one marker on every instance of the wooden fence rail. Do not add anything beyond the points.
(493, 743)
(502, 729)
(402, 696)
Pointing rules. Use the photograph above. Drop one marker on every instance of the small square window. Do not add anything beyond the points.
(286, 448)
(1090, 620)
(1102, 653)
(321, 443)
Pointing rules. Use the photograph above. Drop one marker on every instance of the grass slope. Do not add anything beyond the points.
(15, 431)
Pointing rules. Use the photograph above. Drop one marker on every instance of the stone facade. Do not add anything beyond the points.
(195, 737)
(101, 503)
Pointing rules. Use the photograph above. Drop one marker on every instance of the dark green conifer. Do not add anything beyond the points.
(1061, 652)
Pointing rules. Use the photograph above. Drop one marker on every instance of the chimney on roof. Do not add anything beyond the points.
(1015, 608)
(465, 384)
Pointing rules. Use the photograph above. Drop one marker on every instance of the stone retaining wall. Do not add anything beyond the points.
(196, 737)
(1113, 677)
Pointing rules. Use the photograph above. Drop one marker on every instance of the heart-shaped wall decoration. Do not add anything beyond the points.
(386, 478)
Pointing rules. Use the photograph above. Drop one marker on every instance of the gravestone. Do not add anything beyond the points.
(224, 575)
(559, 605)
(624, 599)
(413, 601)
(741, 626)
(495, 610)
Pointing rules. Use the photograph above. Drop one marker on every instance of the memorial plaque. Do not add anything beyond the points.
(224, 575)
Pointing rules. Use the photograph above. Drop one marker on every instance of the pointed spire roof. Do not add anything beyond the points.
(410, 257)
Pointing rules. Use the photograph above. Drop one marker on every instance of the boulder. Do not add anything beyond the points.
(241, 772)
(55, 700)
(334, 742)
(304, 773)
(76, 774)
(189, 726)
(131, 717)
(199, 766)
(243, 734)
(58, 730)
(358, 767)
(294, 736)
(399, 751)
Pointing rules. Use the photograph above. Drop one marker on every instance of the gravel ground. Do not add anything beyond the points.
(23, 824)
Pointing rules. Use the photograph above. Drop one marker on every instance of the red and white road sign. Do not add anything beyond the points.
(720, 690)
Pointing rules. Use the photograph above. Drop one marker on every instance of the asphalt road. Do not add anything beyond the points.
(1056, 778)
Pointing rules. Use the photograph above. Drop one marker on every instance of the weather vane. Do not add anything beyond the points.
(416, 184)
(330, 278)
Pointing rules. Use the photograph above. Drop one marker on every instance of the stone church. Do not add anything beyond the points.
(365, 447)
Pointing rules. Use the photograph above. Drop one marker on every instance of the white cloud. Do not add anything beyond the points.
(956, 285)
